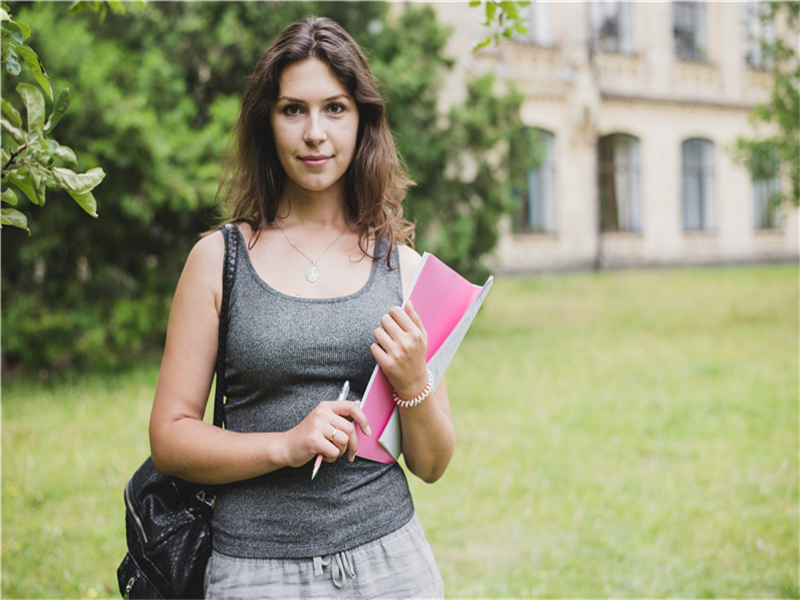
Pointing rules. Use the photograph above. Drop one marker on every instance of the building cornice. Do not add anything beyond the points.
(676, 101)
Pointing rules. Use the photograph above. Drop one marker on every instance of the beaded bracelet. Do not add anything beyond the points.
(414, 401)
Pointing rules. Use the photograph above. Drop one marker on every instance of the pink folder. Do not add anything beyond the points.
(447, 303)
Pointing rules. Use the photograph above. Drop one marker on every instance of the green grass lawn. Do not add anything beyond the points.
(627, 434)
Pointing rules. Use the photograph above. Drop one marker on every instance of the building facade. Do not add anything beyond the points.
(637, 107)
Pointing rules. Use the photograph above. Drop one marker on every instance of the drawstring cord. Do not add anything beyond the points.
(341, 567)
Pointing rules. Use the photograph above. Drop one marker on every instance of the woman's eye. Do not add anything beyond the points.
(336, 108)
(291, 110)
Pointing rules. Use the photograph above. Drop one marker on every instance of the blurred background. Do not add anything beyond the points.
(628, 422)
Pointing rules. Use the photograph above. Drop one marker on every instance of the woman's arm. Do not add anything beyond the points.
(182, 444)
(400, 350)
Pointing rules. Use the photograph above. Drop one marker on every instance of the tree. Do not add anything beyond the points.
(776, 152)
(159, 96)
(30, 164)
(504, 17)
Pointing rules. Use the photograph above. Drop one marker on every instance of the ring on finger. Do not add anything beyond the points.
(333, 435)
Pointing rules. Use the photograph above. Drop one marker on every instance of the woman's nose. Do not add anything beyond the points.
(315, 132)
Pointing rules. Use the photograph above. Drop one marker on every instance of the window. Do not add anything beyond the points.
(758, 30)
(538, 206)
(697, 185)
(620, 207)
(766, 203)
(540, 24)
(611, 26)
(689, 28)
(765, 172)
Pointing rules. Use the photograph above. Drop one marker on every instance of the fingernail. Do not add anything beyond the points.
(369, 430)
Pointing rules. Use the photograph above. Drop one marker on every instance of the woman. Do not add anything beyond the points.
(315, 186)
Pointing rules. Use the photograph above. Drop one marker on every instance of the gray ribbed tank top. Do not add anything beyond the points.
(284, 355)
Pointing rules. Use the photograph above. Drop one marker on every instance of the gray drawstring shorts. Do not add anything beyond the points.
(398, 565)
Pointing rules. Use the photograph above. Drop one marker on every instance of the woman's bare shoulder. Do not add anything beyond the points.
(409, 261)
(208, 252)
(202, 272)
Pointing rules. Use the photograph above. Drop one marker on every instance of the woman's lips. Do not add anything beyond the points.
(315, 161)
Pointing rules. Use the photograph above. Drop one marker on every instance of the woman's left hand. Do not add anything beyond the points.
(401, 350)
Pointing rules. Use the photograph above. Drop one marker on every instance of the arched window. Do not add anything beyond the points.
(697, 185)
(618, 168)
(538, 203)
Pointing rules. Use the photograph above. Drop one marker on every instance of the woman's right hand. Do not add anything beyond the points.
(312, 436)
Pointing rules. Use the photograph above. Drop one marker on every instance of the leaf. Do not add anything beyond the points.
(14, 218)
(474, 3)
(510, 8)
(60, 106)
(12, 64)
(66, 154)
(26, 31)
(22, 179)
(34, 103)
(521, 29)
(116, 6)
(10, 113)
(491, 10)
(11, 28)
(86, 202)
(37, 68)
(18, 134)
(9, 196)
(481, 44)
(76, 183)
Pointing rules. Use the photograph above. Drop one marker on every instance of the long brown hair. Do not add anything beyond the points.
(375, 182)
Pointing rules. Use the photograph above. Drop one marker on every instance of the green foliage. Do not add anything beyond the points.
(504, 17)
(778, 152)
(159, 96)
(30, 164)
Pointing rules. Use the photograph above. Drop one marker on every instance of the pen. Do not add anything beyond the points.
(342, 396)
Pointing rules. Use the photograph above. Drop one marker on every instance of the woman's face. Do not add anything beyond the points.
(315, 126)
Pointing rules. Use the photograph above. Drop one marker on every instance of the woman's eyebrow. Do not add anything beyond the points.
(299, 101)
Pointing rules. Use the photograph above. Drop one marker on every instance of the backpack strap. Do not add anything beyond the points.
(228, 277)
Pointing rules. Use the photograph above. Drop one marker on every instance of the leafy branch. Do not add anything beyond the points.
(504, 17)
(776, 154)
(30, 162)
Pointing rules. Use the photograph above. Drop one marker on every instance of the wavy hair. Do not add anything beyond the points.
(375, 182)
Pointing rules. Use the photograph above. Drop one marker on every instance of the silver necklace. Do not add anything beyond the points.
(312, 273)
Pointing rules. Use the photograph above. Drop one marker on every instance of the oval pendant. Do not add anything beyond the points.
(312, 274)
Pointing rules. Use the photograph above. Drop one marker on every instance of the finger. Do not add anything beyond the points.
(415, 318)
(351, 410)
(352, 446)
(390, 322)
(329, 450)
(340, 438)
(403, 319)
(384, 339)
(378, 353)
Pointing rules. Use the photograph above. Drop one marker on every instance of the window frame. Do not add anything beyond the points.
(691, 43)
(622, 41)
(700, 176)
(757, 30)
(539, 199)
(623, 212)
